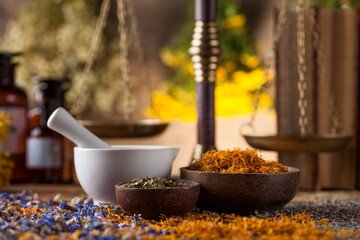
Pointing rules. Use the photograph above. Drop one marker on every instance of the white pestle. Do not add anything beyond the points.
(62, 122)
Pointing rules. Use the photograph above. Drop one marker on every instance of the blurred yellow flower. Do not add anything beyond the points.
(190, 69)
(166, 107)
(185, 96)
(221, 74)
(229, 66)
(249, 81)
(231, 99)
(233, 96)
(235, 21)
(264, 100)
(250, 61)
(170, 59)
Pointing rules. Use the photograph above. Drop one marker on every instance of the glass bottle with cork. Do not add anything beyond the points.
(44, 146)
(13, 101)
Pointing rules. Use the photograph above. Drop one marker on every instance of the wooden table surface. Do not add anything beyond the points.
(48, 191)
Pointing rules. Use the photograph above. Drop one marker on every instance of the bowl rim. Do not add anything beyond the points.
(291, 170)
(145, 122)
(128, 148)
(192, 184)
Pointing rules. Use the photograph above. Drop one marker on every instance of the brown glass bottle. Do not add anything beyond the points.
(45, 147)
(13, 101)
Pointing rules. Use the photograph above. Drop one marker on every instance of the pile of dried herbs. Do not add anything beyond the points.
(23, 216)
(152, 183)
(236, 161)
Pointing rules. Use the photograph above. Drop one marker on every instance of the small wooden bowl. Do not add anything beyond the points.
(151, 203)
(244, 193)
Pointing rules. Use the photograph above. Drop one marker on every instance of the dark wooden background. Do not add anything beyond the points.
(339, 34)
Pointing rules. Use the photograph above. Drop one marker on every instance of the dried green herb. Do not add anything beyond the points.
(152, 183)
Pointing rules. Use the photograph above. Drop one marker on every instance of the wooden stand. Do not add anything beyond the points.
(205, 52)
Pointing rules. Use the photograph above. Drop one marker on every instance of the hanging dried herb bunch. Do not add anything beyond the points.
(153, 183)
(236, 161)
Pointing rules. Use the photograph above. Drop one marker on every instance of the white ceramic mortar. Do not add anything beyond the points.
(99, 166)
(100, 169)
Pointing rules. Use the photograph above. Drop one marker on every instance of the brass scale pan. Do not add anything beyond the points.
(118, 128)
(125, 128)
(307, 143)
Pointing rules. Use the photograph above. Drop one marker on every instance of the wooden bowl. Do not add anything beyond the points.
(150, 203)
(244, 193)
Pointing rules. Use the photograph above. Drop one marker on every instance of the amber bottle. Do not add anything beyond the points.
(45, 147)
(13, 101)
